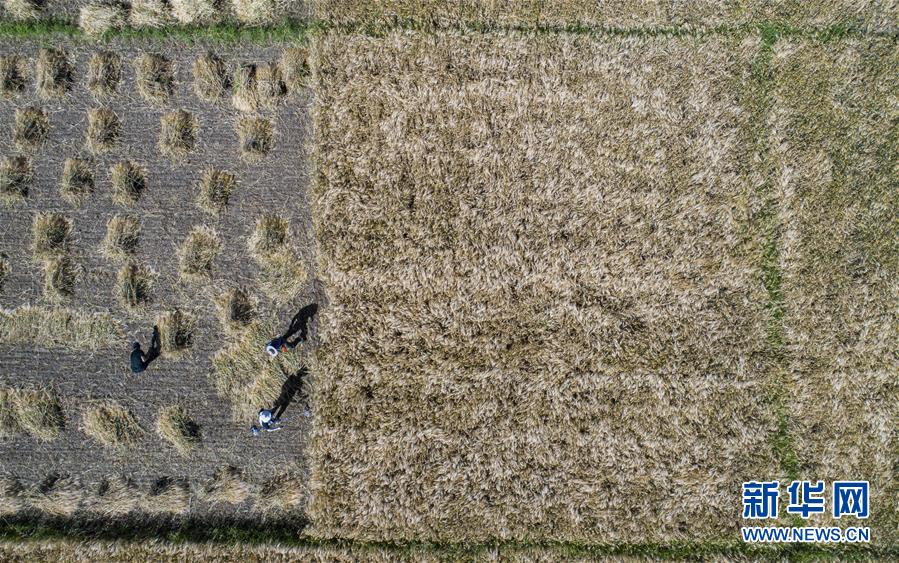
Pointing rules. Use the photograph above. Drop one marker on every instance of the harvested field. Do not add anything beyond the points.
(82, 349)
(835, 164)
(514, 296)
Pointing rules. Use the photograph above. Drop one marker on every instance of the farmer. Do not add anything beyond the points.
(267, 421)
(297, 325)
(139, 360)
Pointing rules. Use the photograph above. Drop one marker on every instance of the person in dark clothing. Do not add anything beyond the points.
(297, 325)
(139, 360)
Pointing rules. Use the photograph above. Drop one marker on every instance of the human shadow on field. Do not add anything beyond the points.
(300, 323)
(289, 391)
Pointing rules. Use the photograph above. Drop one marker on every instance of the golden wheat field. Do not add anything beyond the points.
(547, 307)
(834, 146)
(871, 15)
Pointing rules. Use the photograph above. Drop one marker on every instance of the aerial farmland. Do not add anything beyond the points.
(566, 280)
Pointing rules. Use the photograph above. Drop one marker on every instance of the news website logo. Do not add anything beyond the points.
(762, 499)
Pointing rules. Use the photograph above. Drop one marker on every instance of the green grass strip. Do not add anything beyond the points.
(295, 30)
(288, 31)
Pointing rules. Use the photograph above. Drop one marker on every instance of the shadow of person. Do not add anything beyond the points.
(300, 323)
(289, 391)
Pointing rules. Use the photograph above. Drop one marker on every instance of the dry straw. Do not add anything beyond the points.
(256, 138)
(9, 422)
(111, 425)
(215, 190)
(128, 182)
(115, 497)
(56, 495)
(51, 235)
(133, 285)
(54, 73)
(155, 77)
(295, 68)
(122, 236)
(283, 272)
(227, 487)
(56, 327)
(197, 253)
(151, 13)
(4, 271)
(166, 496)
(283, 276)
(31, 127)
(244, 96)
(16, 176)
(270, 87)
(259, 12)
(23, 10)
(96, 18)
(176, 332)
(269, 237)
(13, 75)
(178, 134)
(103, 130)
(104, 73)
(236, 310)
(61, 275)
(11, 493)
(176, 427)
(38, 412)
(286, 492)
(77, 181)
(211, 78)
(196, 12)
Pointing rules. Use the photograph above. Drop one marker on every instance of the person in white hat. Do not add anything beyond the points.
(267, 422)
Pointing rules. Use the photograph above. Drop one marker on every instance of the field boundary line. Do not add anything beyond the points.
(196, 532)
(294, 30)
